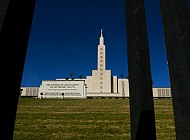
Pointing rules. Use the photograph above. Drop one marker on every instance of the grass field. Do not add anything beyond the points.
(90, 119)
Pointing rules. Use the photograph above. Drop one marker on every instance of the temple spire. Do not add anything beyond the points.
(101, 32)
(101, 38)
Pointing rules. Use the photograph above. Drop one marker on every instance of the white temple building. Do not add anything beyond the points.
(100, 84)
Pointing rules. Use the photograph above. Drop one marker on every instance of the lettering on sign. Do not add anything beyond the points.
(62, 88)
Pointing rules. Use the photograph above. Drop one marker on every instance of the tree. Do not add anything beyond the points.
(71, 75)
(66, 78)
(80, 76)
(122, 75)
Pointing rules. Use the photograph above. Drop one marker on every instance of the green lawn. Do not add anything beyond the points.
(93, 119)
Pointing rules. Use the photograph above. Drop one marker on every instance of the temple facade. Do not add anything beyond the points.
(102, 81)
(100, 84)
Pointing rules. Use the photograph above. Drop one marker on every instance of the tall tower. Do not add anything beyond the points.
(100, 81)
(101, 53)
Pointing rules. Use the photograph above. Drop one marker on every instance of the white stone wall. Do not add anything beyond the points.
(95, 81)
(100, 82)
(162, 92)
(30, 91)
(88, 83)
(157, 92)
(114, 84)
(123, 87)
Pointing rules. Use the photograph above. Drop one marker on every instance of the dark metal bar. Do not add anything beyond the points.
(15, 25)
(142, 116)
(176, 23)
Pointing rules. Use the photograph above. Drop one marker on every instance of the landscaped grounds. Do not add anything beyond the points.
(86, 119)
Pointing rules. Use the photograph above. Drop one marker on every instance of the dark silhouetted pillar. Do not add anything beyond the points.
(3, 8)
(142, 116)
(176, 23)
(15, 25)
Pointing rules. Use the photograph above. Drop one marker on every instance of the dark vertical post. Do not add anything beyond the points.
(3, 8)
(176, 23)
(15, 25)
(142, 116)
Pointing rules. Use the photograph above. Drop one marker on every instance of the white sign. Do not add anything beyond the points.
(62, 89)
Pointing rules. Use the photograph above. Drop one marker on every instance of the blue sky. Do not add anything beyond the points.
(65, 35)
